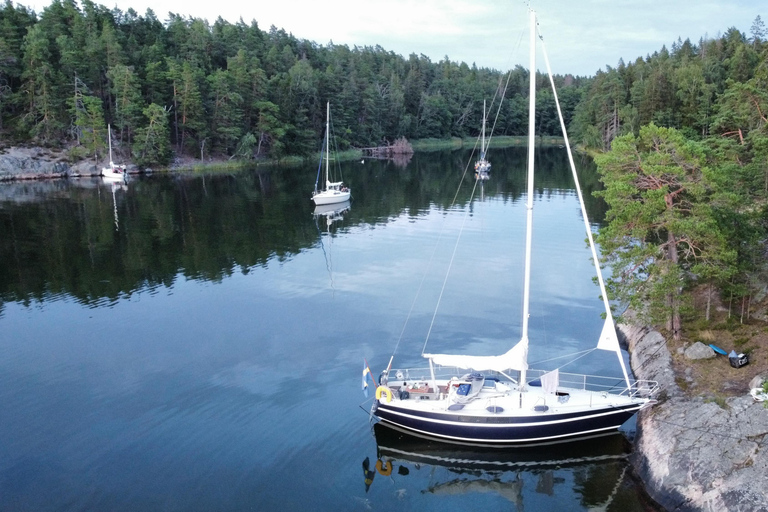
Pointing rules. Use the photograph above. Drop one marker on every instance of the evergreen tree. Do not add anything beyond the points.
(660, 225)
(225, 112)
(129, 105)
(89, 121)
(151, 144)
(41, 83)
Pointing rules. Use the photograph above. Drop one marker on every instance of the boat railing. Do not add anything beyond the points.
(642, 388)
(616, 385)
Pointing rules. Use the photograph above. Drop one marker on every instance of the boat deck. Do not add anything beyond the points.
(500, 398)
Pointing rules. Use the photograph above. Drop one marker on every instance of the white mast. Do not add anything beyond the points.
(482, 146)
(109, 138)
(529, 204)
(327, 149)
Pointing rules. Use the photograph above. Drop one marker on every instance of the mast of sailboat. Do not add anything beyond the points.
(109, 139)
(327, 147)
(482, 146)
(529, 203)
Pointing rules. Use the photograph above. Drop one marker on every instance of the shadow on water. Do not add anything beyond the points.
(595, 470)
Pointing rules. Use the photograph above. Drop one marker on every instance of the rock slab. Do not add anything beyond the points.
(695, 455)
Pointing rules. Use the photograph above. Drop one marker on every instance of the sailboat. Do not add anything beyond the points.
(334, 192)
(483, 166)
(498, 400)
(114, 171)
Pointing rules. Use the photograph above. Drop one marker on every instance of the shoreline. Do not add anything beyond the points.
(693, 454)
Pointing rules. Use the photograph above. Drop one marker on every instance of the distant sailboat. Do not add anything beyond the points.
(483, 166)
(333, 192)
(497, 400)
(113, 172)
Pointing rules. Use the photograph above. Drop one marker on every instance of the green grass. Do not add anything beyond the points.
(437, 144)
(719, 400)
(421, 145)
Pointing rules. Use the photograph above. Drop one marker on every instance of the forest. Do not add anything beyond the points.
(680, 135)
(185, 87)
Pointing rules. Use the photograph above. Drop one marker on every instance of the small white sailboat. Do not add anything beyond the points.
(483, 166)
(497, 400)
(333, 192)
(113, 172)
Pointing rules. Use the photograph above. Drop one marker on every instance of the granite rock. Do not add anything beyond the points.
(694, 454)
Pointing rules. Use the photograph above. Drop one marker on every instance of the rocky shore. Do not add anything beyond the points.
(695, 454)
(18, 163)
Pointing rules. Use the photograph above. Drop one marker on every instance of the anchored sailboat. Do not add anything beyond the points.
(114, 171)
(483, 166)
(497, 400)
(334, 192)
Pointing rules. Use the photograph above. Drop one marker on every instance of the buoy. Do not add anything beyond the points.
(383, 390)
(384, 469)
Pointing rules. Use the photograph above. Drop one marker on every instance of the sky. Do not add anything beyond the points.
(581, 36)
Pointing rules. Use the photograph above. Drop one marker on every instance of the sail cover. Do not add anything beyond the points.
(516, 359)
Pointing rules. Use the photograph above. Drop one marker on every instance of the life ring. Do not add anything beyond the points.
(386, 470)
(383, 390)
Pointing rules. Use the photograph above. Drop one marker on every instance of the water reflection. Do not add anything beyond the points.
(79, 238)
(117, 186)
(330, 213)
(594, 470)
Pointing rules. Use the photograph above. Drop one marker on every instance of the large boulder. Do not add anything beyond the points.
(699, 351)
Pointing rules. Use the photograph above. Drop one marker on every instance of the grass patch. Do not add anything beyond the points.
(438, 144)
(740, 342)
(682, 383)
(717, 399)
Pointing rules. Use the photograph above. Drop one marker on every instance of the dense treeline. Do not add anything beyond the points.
(187, 87)
(686, 173)
(711, 88)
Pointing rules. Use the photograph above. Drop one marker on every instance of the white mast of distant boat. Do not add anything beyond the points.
(109, 139)
(327, 147)
(482, 145)
(113, 172)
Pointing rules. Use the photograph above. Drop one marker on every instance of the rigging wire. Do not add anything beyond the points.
(452, 204)
(431, 260)
(450, 263)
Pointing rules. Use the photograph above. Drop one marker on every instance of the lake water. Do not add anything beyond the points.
(196, 342)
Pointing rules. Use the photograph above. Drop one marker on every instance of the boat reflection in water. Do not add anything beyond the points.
(592, 468)
(331, 212)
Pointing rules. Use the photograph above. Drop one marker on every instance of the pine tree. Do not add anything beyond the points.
(660, 225)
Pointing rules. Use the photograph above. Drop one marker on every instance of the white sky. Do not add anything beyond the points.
(582, 36)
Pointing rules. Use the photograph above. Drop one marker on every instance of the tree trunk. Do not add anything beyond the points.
(673, 300)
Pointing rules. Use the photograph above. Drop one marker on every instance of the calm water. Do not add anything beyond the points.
(196, 342)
